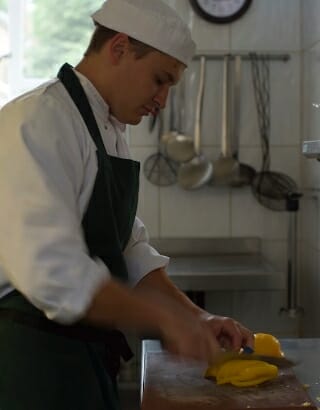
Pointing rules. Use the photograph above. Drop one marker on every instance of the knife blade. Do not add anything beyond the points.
(281, 362)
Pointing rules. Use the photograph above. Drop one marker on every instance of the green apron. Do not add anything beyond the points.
(47, 366)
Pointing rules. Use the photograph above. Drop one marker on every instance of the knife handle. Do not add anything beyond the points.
(247, 349)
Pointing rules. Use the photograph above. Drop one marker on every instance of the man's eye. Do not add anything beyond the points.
(159, 81)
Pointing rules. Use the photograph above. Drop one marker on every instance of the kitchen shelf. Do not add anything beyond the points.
(219, 264)
(224, 272)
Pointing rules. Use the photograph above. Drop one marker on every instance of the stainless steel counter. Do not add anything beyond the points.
(200, 264)
(304, 351)
(307, 353)
(224, 272)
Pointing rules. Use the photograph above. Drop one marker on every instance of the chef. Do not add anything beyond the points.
(75, 263)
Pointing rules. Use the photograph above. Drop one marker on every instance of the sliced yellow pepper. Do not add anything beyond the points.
(242, 372)
(249, 372)
(267, 344)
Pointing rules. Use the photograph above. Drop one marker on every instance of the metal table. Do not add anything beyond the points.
(305, 351)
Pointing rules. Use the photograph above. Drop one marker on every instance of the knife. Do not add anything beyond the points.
(281, 362)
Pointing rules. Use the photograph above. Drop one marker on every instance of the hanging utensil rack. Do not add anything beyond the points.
(244, 56)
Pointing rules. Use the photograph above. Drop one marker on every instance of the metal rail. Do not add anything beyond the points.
(245, 56)
(4, 56)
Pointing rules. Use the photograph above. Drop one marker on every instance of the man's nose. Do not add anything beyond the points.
(161, 97)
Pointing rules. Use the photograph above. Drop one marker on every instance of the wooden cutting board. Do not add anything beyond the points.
(170, 385)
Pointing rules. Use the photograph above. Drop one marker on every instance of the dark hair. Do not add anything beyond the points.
(103, 34)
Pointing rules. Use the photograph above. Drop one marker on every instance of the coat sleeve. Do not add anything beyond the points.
(42, 247)
(140, 256)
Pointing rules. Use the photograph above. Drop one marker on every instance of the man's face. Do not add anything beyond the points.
(143, 84)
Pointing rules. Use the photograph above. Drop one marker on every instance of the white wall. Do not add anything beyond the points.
(310, 246)
(271, 26)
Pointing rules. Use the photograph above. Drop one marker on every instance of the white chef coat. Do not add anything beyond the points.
(47, 172)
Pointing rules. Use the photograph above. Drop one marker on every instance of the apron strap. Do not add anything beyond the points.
(71, 82)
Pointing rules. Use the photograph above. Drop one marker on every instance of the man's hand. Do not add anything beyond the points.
(230, 334)
(186, 336)
(185, 329)
(203, 336)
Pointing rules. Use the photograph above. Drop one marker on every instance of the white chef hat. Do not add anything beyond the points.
(150, 21)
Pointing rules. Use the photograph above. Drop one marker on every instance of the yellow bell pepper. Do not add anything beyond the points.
(242, 373)
(267, 344)
(249, 372)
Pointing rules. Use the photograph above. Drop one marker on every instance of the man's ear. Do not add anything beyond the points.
(118, 46)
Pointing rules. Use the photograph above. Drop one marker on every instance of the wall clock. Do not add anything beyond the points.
(220, 11)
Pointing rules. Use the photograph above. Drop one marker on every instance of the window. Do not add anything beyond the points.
(37, 37)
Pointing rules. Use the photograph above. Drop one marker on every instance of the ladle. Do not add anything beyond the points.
(173, 131)
(180, 147)
(226, 165)
(243, 174)
(198, 171)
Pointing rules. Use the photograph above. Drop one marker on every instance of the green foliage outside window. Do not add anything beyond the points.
(3, 4)
(59, 32)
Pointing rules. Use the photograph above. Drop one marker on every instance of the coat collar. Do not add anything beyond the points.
(100, 107)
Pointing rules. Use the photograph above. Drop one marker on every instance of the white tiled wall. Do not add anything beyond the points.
(310, 243)
(271, 26)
